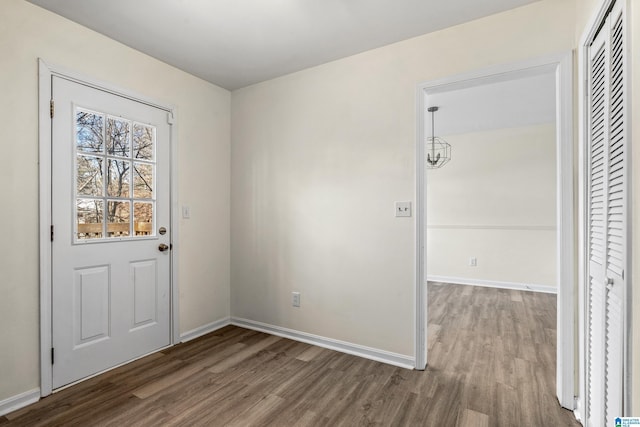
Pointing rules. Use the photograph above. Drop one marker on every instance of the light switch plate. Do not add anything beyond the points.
(403, 208)
(295, 299)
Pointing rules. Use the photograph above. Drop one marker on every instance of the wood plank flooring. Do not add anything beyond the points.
(491, 363)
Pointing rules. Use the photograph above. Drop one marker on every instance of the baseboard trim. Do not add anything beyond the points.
(383, 356)
(205, 329)
(493, 227)
(494, 284)
(19, 401)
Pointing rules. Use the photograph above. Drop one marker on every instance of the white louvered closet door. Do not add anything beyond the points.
(607, 216)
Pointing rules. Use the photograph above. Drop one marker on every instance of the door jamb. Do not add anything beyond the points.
(45, 74)
(562, 65)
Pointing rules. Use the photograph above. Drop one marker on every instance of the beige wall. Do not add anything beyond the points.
(27, 33)
(496, 201)
(585, 12)
(320, 156)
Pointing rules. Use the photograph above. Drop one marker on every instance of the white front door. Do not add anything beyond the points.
(110, 235)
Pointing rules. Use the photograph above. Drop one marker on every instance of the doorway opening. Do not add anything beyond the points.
(558, 234)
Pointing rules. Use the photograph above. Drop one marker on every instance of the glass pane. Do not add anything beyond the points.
(142, 181)
(89, 215)
(118, 181)
(118, 216)
(143, 139)
(89, 132)
(89, 176)
(143, 218)
(118, 136)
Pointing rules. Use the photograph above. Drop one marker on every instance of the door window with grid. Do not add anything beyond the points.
(114, 176)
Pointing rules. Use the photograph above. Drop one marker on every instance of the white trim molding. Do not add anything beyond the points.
(492, 227)
(44, 137)
(566, 249)
(19, 401)
(205, 329)
(45, 74)
(420, 262)
(383, 356)
(531, 287)
(561, 65)
(175, 228)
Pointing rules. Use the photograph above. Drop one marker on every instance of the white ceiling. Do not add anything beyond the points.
(235, 43)
(522, 101)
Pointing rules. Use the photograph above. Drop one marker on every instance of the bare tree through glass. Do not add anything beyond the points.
(115, 168)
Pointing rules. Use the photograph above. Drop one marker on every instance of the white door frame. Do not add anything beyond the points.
(562, 66)
(45, 74)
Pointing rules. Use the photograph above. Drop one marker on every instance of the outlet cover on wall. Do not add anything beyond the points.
(403, 208)
(473, 262)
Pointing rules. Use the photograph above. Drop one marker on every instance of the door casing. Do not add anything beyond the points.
(562, 66)
(45, 74)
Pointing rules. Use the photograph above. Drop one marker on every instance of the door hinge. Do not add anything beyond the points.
(52, 233)
(170, 119)
(51, 108)
(53, 355)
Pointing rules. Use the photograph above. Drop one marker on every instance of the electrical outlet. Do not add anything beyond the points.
(403, 208)
(295, 299)
(473, 262)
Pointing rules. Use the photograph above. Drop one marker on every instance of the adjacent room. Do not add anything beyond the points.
(491, 233)
(222, 213)
(491, 209)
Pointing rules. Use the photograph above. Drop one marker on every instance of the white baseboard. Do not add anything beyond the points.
(203, 330)
(494, 284)
(19, 401)
(383, 356)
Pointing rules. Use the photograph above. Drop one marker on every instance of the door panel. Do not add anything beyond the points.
(597, 225)
(92, 312)
(110, 195)
(144, 280)
(616, 223)
(607, 224)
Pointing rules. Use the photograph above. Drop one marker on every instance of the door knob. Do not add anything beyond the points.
(162, 247)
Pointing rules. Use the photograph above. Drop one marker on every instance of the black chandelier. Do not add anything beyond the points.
(438, 150)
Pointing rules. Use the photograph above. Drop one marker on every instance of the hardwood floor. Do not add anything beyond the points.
(491, 363)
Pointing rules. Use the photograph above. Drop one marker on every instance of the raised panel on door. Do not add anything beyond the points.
(91, 305)
(144, 283)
